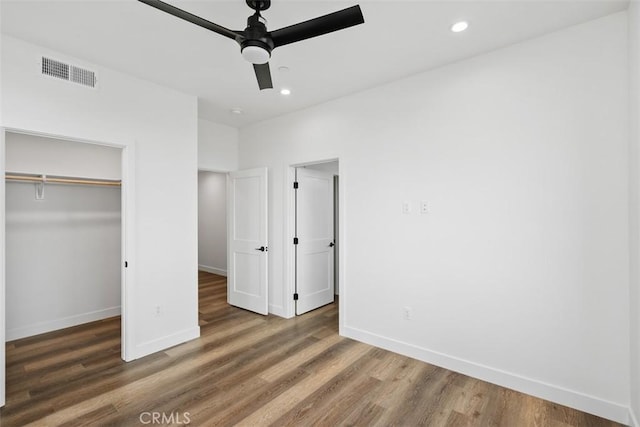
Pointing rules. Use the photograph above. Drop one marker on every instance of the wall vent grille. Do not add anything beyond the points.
(54, 68)
(60, 70)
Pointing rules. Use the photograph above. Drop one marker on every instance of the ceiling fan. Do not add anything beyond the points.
(256, 43)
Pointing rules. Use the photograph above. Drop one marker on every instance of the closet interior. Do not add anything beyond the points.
(63, 234)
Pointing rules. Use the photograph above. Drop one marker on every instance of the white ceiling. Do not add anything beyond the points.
(399, 38)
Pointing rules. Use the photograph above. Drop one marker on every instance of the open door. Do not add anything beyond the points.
(247, 240)
(314, 232)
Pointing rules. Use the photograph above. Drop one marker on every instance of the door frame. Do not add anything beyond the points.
(289, 231)
(127, 241)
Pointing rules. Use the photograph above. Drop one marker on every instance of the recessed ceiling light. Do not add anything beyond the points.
(283, 69)
(285, 91)
(460, 26)
(236, 110)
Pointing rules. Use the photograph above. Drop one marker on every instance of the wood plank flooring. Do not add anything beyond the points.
(251, 370)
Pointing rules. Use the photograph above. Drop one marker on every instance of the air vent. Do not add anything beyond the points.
(60, 70)
(82, 76)
(54, 68)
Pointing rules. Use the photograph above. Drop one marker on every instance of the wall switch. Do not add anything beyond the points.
(406, 207)
(424, 207)
(407, 313)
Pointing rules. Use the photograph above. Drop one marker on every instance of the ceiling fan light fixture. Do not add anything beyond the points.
(256, 54)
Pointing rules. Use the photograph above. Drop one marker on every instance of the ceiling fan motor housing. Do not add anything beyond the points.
(256, 36)
(259, 4)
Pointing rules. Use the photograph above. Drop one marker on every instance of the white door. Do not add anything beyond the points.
(314, 231)
(247, 240)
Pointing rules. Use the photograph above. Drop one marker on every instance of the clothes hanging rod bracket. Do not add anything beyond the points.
(40, 188)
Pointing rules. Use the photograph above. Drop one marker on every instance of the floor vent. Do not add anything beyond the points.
(61, 70)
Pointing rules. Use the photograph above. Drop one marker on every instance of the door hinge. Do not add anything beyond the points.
(295, 185)
(295, 240)
(126, 264)
(295, 296)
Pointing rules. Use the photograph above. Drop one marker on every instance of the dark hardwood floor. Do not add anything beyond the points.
(251, 370)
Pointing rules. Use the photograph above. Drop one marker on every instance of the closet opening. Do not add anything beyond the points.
(65, 262)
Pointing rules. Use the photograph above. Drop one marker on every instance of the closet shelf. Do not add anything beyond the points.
(54, 179)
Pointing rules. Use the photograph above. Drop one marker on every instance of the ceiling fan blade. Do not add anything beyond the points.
(190, 17)
(318, 26)
(263, 74)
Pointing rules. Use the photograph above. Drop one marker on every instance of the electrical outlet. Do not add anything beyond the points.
(157, 310)
(424, 207)
(406, 207)
(407, 313)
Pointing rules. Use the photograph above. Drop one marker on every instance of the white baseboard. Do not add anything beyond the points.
(213, 270)
(65, 322)
(166, 342)
(562, 396)
(633, 419)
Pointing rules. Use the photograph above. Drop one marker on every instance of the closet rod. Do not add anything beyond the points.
(61, 180)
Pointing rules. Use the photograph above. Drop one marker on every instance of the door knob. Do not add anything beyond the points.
(261, 248)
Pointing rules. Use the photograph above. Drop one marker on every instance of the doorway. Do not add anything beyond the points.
(212, 222)
(212, 240)
(232, 235)
(53, 188)
(315, 224)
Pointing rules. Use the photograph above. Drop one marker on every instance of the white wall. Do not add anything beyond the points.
(2, 269)
(161, 126)
(519, 273)
(212, 222)
(39, 155)
(217, 147)
(634, 73)
(63, 252)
